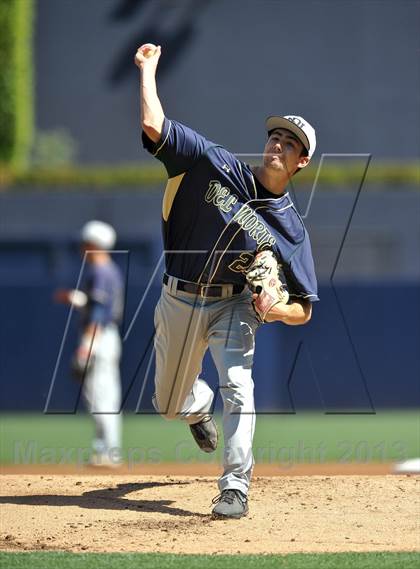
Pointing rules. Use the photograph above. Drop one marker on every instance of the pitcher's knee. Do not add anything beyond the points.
(164, 409)
(169, 415)
(237, 400)
(238, 392)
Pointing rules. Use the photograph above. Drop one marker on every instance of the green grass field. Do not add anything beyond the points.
(44, 560)
(279, 439)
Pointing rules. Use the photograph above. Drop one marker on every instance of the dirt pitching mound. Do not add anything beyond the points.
(171, 514)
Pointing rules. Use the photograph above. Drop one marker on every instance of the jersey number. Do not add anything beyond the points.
(242, 263)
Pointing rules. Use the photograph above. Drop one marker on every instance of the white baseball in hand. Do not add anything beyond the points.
(145, 52)
(148, 49)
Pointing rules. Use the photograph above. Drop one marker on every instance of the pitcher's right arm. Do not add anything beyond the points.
(152, 116)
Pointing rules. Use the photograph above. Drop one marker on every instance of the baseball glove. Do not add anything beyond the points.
(263, 277)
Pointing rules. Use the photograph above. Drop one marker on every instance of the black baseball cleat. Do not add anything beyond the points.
(205, 434)
(230, 504)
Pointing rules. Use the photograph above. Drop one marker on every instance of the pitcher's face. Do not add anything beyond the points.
(284, 152)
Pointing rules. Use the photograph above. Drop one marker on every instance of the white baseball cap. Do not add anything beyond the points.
(300, 128)
(100, 234)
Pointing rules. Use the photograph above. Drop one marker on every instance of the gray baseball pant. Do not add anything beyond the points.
(186, 325)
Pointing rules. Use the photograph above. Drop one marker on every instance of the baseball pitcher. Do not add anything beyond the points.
(237, 255)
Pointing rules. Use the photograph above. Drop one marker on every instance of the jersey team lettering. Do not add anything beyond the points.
(221, 197)
(256, 229)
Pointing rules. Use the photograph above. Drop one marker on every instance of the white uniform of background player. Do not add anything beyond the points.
(97, 357)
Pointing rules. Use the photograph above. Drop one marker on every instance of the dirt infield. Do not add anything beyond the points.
(203, 469)
(149, 513)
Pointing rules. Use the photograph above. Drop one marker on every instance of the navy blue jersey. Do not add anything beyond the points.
(103, 285)
(216, 215)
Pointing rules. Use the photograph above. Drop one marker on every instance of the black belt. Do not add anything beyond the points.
(203, 290)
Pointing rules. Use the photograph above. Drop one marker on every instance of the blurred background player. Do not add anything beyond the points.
(96, 360)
